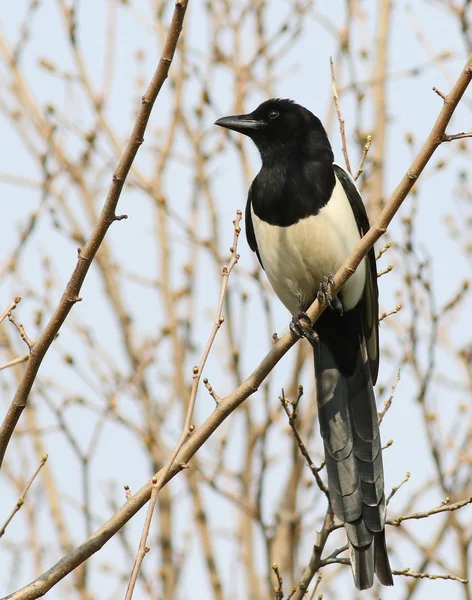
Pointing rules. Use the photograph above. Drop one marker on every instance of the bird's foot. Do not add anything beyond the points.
(301, 326)
(324, 294)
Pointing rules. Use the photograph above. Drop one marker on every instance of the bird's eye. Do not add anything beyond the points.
(273, 114)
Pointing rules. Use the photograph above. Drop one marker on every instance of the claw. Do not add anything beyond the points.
(302, 327)
(324, 294)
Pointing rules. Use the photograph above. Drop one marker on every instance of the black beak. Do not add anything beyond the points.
(242, 123)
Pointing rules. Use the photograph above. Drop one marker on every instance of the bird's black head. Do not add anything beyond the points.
(279, 128)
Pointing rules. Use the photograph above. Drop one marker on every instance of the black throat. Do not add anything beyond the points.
(294, 182)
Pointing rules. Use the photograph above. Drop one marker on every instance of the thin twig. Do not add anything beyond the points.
(382, 250)
(439, 93)
(337, 552)
(143, 549)
(316, 586)
(211, 391)
(360, 168)
(458, 297)
(335, 561)
(279, 594)
(456, 136)
(395, 488)
(340, 117)
(394, 311)
(385, 271)
(21, 330)
(15, 361)
(21, 499)
(12, 306)
(388, 402)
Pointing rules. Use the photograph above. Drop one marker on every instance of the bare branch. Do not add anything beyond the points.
(12, 306)
(279, 594)
(395, 488)
(439, 93)
(385, 271)
(340, 117)
(456, 136)
(407, 573)
(360, 168)
(394, 311)
(388, 402)
(383, 250)
(315, 561)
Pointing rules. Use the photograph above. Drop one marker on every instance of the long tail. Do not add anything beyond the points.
(350, 430)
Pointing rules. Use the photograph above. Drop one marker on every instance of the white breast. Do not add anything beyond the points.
(296, 258)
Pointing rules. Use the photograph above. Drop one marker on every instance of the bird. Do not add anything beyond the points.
(303, 218)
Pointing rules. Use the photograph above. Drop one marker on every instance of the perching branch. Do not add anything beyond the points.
(433, 141)
(228, 404)
(88, 252)
(292, 418)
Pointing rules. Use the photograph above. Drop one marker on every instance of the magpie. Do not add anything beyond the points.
(304, 216)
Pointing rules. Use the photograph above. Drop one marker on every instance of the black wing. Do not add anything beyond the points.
(250, 235)
(370, 298)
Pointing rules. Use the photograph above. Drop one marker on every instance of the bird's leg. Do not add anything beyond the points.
(324, 293)
(302, 327)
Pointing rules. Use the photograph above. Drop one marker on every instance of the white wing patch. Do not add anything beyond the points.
(296, 258)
